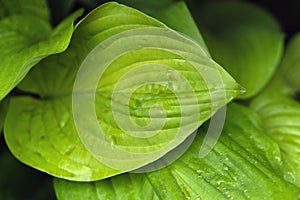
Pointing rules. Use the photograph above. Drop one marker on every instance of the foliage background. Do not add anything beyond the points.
(18, 181)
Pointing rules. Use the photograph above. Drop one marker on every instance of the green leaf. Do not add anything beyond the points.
(249, 46)
(3, 111)
(277, 88)
(36, 8)
(176, 15)
(281, 119)
(244, 164)
(164, 82)
(25, 40)
(290, 66)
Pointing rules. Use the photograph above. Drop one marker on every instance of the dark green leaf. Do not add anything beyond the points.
(36, 8)
(18, 181)
(243, 38)
(290, 66)
(3, 111)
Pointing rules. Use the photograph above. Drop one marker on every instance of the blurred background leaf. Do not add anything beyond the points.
(18, 181)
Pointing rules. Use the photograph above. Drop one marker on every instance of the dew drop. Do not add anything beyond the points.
(112, 145)
(243, 90)
(289, 176)
(112, 142)
(278, 159)
(62, 124)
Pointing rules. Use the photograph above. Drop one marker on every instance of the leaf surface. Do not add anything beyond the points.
(244, 164)
(170, 12)
(27, 38)
(290, 66)
(157, 87)
(280, 115)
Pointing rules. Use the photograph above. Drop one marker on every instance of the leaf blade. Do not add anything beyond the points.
(248, 46)
(25, 41)
(240, 156)
(128, 40)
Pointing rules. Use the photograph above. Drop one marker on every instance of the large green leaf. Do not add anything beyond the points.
(27, 38)
(176, 15)
(290, 66)
(36, 8)
(3, 111)
(248, 46)
(244, 164)
(145, 67)
(281, 119)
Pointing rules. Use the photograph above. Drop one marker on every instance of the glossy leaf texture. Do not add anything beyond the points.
(249, 46)
(290, 66)
(27, 38)
(164, 12)
(280, 115)
(244, 164)
(158, 67)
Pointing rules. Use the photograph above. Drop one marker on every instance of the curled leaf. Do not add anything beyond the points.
(126, 92)
(27, 38)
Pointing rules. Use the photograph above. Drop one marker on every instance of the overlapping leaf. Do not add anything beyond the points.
(290, 66)
(281, 119)
(26, 38)
(3, 111)
(244, 164)
(46, 136)
(36, 8)
(244, 39)
(281, 113)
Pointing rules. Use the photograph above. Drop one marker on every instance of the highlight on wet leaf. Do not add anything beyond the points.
(126, 92)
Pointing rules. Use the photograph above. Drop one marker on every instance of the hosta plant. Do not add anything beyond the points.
(147, 100)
